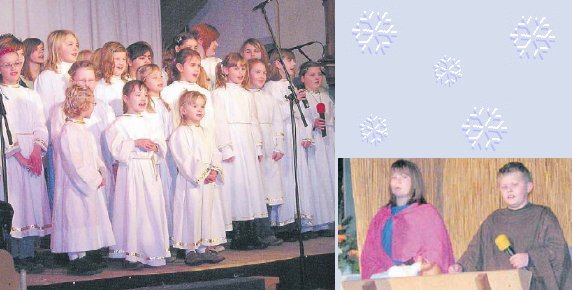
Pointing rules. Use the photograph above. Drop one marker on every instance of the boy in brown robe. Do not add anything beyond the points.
(533, 230)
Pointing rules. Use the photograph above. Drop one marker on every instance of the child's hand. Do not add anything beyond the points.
(455, 268)
(102, 183)
(146, 145)
(519, 260)
(306, 144)
(277, 155)
(211, 177)
(301, 93)
(230, 159)
(36, 160)
(319, 123)
(23, 161)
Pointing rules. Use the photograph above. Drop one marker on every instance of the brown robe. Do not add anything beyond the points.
(533, 229)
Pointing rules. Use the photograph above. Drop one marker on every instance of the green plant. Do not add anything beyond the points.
(348, 258)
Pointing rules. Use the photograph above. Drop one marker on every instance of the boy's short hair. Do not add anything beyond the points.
(515, 167)
(137, 49)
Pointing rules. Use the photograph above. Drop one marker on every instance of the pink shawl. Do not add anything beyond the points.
(418, 230)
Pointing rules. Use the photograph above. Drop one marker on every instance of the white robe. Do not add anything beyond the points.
(238, 135)
(287, 211)
(198, 218)
(27, 193)
(173, 92)
(321, 159)
(80, 221)
(272, 130)
(51, 86)
(167, 169)
(139, 220)
(209, 65)
(112, 94)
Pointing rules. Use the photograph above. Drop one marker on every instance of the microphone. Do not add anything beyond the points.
(260, 5)
(302, 45)
(300, 86)
(504, 245)
(321, 107)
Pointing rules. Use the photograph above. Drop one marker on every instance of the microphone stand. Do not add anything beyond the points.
(292, 98)
(2, 151)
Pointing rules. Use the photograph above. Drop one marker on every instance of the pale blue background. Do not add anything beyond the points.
(424, 118)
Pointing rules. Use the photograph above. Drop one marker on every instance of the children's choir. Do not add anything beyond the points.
(113, 154)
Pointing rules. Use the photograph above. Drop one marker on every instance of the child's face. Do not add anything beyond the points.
(140, 61)
(290, 67)
(154, 82)
(193, 111)
(37, 55)
(251, 51)
(312, 79)
(400, 183)
(89, 108)
(68, 49)
(235, 74)
(190, 69)
(514, 189)
(10, 67)
(119, 63)
(84, 77)
(257, 75)
(136, 102)
(211, 50)
(188, 43)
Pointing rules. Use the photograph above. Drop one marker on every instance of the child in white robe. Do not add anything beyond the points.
(139, 220)
(27, 192)
(80, 222)
(272, 130)
(198, 220)
(278, 87)
(207, 36)
(51, 84)
(239, 140)
(320, 157)
(160, 113)
(112, 70)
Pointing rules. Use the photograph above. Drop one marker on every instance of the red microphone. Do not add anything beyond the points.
(322, 111)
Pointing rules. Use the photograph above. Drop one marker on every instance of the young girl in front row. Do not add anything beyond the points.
(81, 221)
(198, 218)
(24, 168)
(240, 142)
(139, 220)
(186, 74)
(113, 72)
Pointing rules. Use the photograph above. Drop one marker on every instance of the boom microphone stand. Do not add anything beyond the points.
(292, 98)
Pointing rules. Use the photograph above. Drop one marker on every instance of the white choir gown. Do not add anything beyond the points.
(209, 65)
(287, 211)
(80, 219)
(272, 130)
(112, 93)
(173, 92)
(139, 220)
(27, 193)
(238, 135)
(198, 218)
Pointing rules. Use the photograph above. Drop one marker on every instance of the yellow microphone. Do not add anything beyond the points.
(504, 245)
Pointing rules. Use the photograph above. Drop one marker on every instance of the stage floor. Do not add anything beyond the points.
(286, 251)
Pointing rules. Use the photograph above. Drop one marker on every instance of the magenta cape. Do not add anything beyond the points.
(417, 231)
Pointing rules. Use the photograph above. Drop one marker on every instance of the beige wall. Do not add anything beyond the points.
(464, 191)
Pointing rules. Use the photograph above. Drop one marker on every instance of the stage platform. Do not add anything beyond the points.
(281, 262)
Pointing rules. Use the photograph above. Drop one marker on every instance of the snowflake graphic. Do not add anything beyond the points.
(484, 128)
(374, 32)
(447, 71)
(532, 37)
(373, 130)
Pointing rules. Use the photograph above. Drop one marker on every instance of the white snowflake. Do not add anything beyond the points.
(374, 32)
(532, 37)
(484, 128)
(447, 71)
(373, 130)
